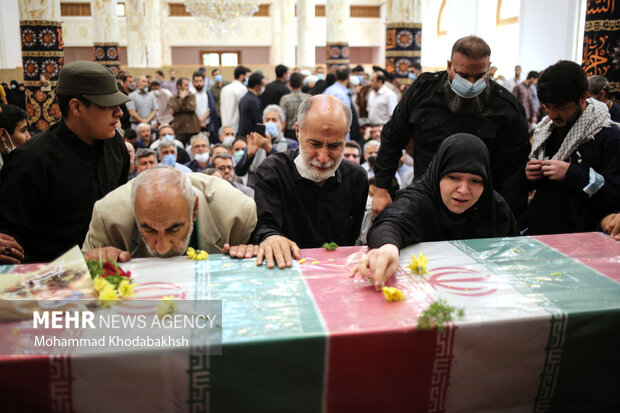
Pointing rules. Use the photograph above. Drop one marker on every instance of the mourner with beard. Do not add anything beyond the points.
(307, 196)
(461, 99)
(163, 211)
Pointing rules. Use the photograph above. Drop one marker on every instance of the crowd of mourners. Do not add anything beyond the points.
(148, 165)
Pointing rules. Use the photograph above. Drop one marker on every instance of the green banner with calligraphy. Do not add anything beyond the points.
(601, 42)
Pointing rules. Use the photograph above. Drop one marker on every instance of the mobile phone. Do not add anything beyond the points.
(260, 129)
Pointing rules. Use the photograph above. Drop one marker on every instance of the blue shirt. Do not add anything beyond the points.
(339, 91)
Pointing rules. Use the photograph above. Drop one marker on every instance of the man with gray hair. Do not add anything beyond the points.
(142, 107)
(307, 196)
(167, 154)
(145, 159)
(259, 146)
(163, 211)
(599, 88)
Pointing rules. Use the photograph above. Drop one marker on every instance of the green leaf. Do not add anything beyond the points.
(330, 246)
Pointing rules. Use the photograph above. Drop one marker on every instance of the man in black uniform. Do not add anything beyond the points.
(459, 100)
(49, 185)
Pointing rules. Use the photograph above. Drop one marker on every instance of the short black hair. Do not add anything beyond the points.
(241, 70)
(214, 70)
(160, 73)
(63, 103)
(281, 71)
(131, 134)
(198, 74)
(10, 116)
(297, 80)
(125, 76)
(473, 47)
(342, 73)
(381, 77)
(180, 81)
(222, 156)
(255, 80)
(416, 66)
(533, 75)
(562, 82)
(353, 144)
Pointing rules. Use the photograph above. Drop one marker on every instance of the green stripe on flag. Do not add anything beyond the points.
(536, 269)
(274, 340)
(580, 371)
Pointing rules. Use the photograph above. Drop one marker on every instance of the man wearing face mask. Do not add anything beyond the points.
(216, 87)
(162, 98)
(237, 150)
(167, 154)
(200, 151)
(250, 107)
(459, 100)
(13, 130)
(227, 136)
(259, 147)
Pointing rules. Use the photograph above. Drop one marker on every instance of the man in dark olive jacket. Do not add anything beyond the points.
(460, 100)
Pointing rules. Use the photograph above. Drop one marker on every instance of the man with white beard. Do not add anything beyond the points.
(307, 196)
(163, 211)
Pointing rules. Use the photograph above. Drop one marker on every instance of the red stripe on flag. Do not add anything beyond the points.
(25, 383)
(376, 360)
(593, 249)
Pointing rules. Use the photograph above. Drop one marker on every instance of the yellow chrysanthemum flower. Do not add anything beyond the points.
(125, 289)
(419, 264)
(100, 283)
(199, 255)
(108, 296)
(167, 305)
(392, 294)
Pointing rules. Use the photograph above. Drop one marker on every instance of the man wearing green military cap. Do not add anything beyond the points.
(49, 185)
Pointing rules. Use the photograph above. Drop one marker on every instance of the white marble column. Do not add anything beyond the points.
(166, 52)
(337, 14)
(287, 35)
(143, 33)
(306, 55)
(403, 44)
(275, 54)
(105, 33)
(42, 55)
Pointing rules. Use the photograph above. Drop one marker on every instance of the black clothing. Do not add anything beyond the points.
(424, 116)
(250, 113)
(49, 185)
(288, 204)
(273, 92)
(580, 212)
(418, 214)
(614, 112)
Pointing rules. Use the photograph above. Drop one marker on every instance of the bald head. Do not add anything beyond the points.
(330, 111)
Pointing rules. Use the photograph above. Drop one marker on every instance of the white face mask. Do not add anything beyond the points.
(201, 157)
(8, 138)
(304, 166)
(228, 141)
(156, 93)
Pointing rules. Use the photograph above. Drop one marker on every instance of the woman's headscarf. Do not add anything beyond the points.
(418, 213)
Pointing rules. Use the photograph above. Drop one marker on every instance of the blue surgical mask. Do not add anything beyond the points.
(321, 76)
(217, 78)
(169, 160)
(271, 129)
(355, 80)
(465, 88)
(245, 81)
(412, 76)
(239, 154)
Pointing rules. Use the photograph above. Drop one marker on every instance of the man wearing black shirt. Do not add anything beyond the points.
(250, 111)
(309, 196)
(575, 160)
(276, 89)
(49, 185)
